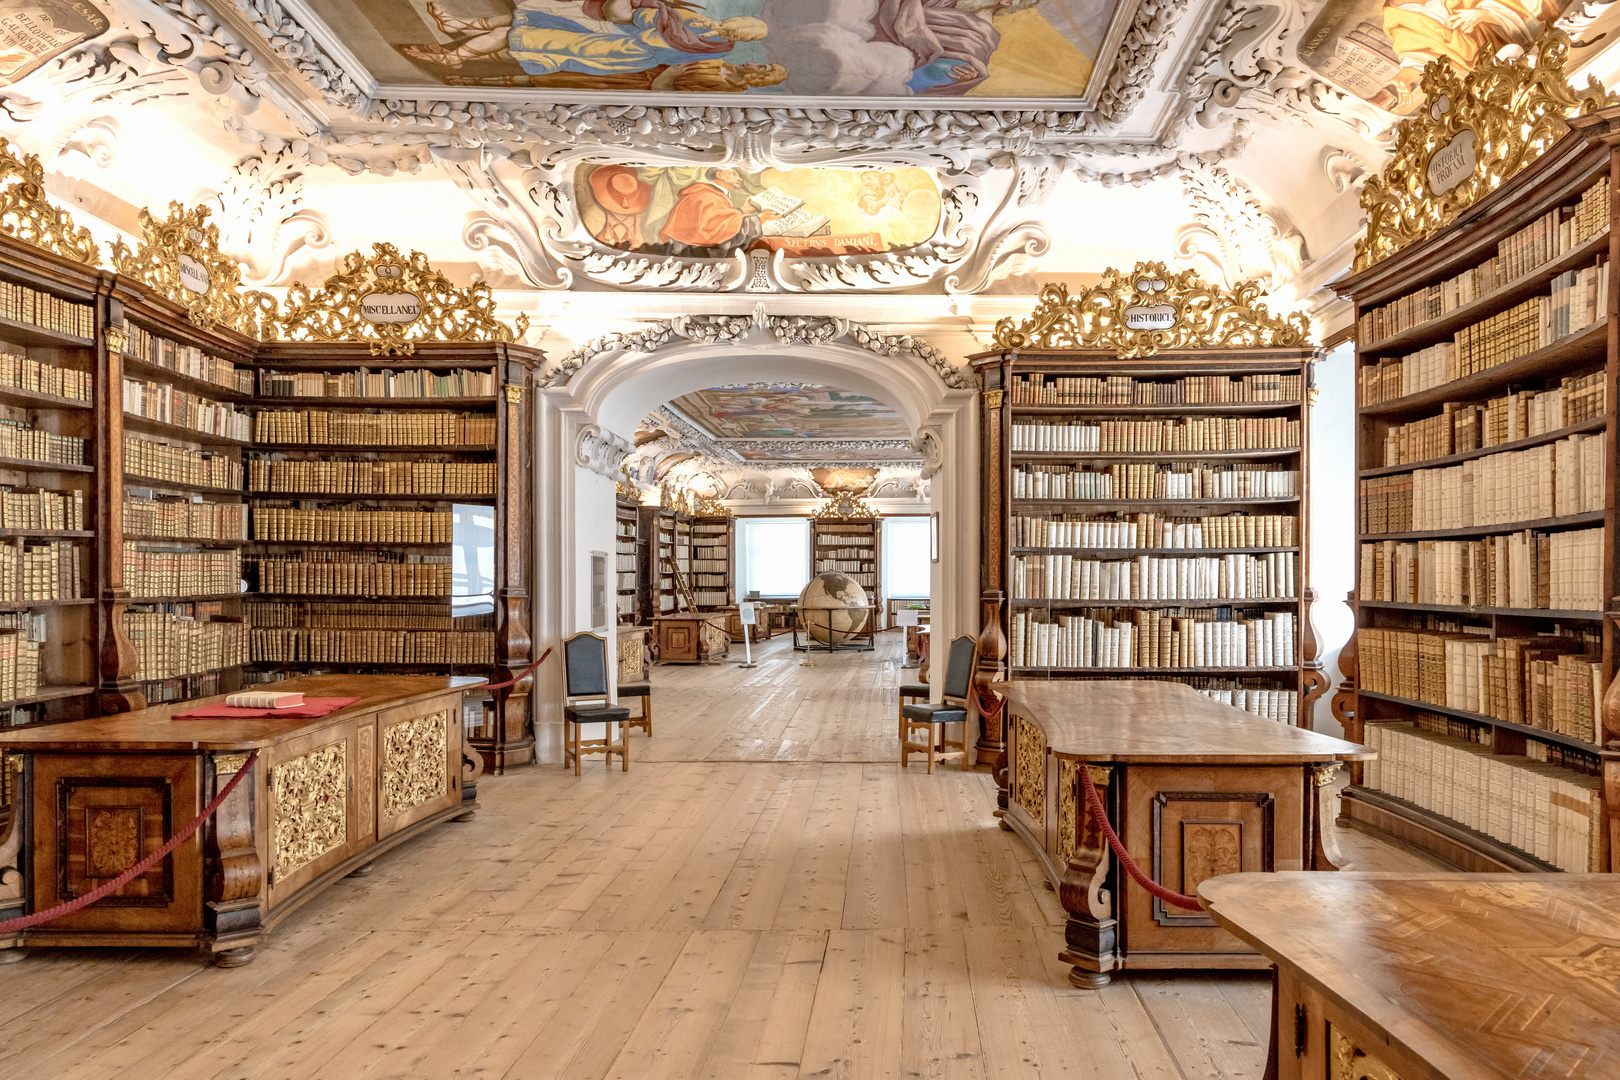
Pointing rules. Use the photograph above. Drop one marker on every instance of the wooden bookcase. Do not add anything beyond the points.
(659, 594)
(712, 567)
(1486, 511)
(50, 402)
(850, 547)
(1110, 550)
(627, 560)
(172, 399)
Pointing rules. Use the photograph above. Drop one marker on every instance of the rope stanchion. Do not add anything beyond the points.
(1094, 800)
(70, 906)
(514, 680)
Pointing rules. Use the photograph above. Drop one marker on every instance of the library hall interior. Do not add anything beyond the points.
(809, 539)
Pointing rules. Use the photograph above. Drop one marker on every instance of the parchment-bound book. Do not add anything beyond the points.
(264, 700)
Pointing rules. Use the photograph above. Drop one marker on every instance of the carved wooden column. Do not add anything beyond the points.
(118, 661)
(13, 826)
(1611, 766)
(233, 912)
(1343, 704)
(991, 750)
(513, 741)
(1092, 932)
(1313, 682)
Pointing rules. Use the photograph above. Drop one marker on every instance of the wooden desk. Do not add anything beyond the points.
(1434, 976)
(1193, 787)
(326, 797)
(692, 639)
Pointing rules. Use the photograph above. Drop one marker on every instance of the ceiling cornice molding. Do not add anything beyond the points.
(1233, 233)
(764, 328)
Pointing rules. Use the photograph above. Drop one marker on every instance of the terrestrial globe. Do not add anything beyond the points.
(833, 608)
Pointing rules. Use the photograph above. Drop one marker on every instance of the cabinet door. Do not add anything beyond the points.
(418, 762)
(312, 813)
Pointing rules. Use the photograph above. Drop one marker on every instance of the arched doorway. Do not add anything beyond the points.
(586, 418)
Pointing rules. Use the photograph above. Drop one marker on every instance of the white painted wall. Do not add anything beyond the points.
(1333, 514)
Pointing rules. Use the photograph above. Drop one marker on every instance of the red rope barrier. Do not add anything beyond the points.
(139, 868)
(1094, 800)
(978, 700)
(514, 680)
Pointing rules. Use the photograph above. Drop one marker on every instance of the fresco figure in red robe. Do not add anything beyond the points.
(704, 223)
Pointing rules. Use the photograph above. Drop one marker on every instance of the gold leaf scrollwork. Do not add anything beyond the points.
(180, 259)
(627, 491)
(1479, 128)
(25, 212)
(843, 506)
(1068, 801)
(310, 794)
(1029, 777)
(413, 762)
(1350, 1062)
(1149, 309)
(392, 302)
(710, 506)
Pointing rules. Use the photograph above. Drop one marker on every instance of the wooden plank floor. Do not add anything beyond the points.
(764, 895)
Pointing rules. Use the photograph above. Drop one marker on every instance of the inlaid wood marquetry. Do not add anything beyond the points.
(310, 793)
(413, 762)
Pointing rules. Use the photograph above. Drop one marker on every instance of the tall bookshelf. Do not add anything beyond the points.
(659, 595)
(149, 409)
(50, 447)
(1145, 491)
(1485, 447)
(850, 546)
(712, 569)
(627, 560)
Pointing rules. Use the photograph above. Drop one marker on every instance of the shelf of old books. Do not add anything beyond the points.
(1485, 531)
(711, 562)
(1151, 499)
(48, 443)
(183, 422)
(626, 560)
(851, 548)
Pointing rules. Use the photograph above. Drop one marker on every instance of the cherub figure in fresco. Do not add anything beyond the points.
(950, 41)
(1462, 31)
(599, 37)
(879, 192)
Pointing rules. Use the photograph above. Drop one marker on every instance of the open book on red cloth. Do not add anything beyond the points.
(311, 709)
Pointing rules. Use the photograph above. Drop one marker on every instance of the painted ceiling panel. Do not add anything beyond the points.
(791, 412)
(935, 49)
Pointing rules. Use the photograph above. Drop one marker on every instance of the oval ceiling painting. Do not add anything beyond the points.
(716, 212)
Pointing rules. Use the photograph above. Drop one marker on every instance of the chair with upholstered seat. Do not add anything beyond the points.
(933, 718)
(585, 677)
(911, 691)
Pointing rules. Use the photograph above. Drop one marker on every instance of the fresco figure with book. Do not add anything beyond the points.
(716, 212)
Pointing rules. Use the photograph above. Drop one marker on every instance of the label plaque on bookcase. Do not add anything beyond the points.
(179, 258)
(1149, 309)
(392, 302)
(1481, 127)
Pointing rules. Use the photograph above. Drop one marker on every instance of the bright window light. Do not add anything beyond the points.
(906, 558)
(773, 555)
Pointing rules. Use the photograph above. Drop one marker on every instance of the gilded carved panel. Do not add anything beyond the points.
(1068, 806)
(1352, 1063)
(414, 769)
(1027, 785)
(365, 754)
(311, 806)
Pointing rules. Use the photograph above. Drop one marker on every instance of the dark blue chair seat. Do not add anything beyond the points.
(935, 714)
(635, 689)
(933, 718)
(596, 714)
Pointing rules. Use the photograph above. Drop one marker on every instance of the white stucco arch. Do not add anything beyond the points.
(614, 390)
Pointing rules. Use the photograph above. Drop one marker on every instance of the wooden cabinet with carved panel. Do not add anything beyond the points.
(326, 796)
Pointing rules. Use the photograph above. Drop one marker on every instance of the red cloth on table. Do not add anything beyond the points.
(311, 709)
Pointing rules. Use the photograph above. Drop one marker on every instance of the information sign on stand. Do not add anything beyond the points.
(746, 614)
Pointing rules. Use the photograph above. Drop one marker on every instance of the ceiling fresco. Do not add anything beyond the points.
(714, 212)
(1376, 49)
(1019, 49)
(790, 412)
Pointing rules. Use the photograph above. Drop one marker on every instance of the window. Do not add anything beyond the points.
(773, 555)
(906, 562)
(472, 560)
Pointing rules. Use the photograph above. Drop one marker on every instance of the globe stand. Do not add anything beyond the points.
(853, 639)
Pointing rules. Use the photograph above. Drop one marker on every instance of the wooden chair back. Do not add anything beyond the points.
(959, 669)
(585, 670)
